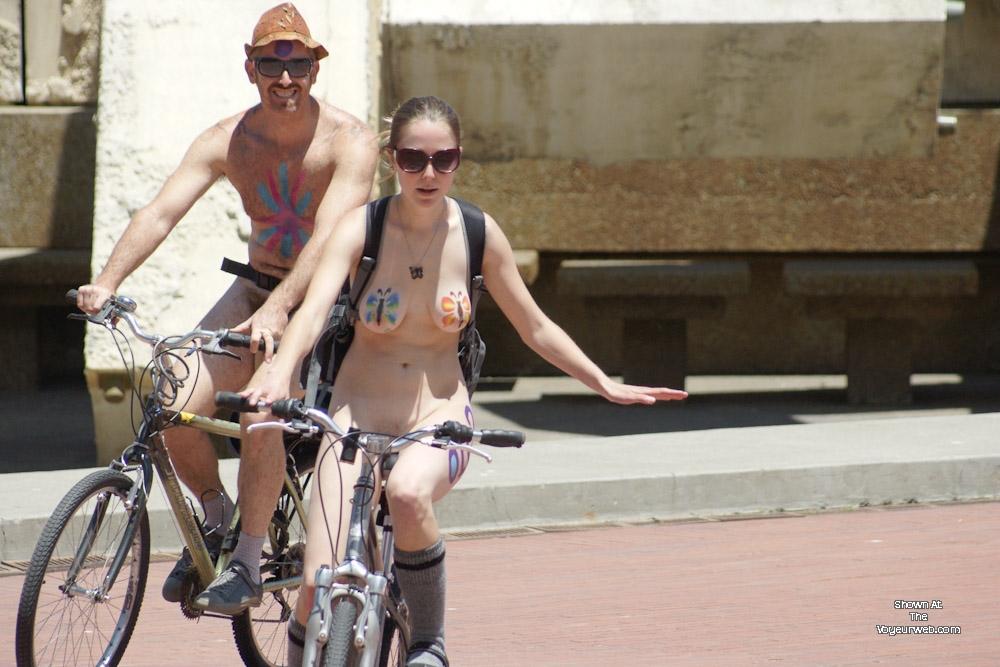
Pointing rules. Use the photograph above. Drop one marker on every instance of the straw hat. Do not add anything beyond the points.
(283, 22)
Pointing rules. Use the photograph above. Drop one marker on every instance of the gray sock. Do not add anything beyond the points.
(218, 510)
(296, 641)
(248, 551)
(421, 577)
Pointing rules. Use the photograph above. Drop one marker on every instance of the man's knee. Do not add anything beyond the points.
(259, 440)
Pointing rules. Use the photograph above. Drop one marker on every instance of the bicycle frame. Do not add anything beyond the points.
(149, 451)
(353, 580)
(94, 551)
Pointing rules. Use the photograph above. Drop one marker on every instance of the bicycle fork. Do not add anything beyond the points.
(135, 505)
(352, 580)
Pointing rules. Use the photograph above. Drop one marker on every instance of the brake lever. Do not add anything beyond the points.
(284, 426)
(106, 316)
(448, 443)
(279, 425)
(214, 346)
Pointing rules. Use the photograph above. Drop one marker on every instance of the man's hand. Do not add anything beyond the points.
(91, 298)
(265, 327)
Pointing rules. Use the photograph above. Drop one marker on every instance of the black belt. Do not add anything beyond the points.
(262, 280)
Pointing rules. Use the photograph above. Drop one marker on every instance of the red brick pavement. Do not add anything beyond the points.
(806, 590)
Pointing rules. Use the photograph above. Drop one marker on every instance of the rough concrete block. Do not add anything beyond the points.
(47, 176)
(887, 278)
(622, 92)
(943, 203)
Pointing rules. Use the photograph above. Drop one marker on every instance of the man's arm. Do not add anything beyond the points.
(147, 229)
(356, 159)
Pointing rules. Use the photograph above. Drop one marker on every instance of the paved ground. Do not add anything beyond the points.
(801, 590)
(53, 429)
(809, 588)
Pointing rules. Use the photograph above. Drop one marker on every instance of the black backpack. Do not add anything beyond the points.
(320, 371)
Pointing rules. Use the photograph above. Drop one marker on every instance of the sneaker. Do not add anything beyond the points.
(232, 592)
(426, 654)
(173, 587)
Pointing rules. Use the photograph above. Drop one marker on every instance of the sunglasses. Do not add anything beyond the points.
(273, 67)
(413, 161)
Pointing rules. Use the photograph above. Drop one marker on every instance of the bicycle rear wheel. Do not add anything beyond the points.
(261, 633)
(63, 618)
(393, 653)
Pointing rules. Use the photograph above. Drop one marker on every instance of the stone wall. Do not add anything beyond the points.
(47, 176)
(734, 128)
(938, 203)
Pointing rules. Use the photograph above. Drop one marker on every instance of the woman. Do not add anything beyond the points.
(401, 371)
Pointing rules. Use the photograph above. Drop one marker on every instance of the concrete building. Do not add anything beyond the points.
(728, 187)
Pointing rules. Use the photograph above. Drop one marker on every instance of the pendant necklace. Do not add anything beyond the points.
(417, 268)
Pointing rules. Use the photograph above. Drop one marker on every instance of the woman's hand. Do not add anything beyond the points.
(626, 394)
(270, 390)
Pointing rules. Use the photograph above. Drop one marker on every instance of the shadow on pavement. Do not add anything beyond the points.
(590, 415)
(53, 429)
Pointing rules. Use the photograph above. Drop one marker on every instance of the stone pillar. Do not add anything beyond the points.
(11, 65)
(61, 44)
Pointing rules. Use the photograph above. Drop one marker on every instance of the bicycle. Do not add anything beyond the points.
(359, 617)
(86, 579)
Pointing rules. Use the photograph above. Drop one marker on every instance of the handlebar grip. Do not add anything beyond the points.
(71, 296)
(455, 431)
(501, 438)
(243, 340)
(289, 408)
(459, 432)
(236, 339)
(233, 401)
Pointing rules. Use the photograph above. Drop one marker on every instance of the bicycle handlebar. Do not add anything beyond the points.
(289, 408)
(122, 307)
(294, 409)
(493, 437)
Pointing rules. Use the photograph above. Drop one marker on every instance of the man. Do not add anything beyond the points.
(298, 164)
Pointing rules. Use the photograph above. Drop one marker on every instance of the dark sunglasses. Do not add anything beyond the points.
(273, 67)
(413, 161)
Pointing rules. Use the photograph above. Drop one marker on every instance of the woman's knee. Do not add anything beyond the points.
(408, 499)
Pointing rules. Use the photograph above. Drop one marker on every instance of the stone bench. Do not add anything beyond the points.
(878, 300)
(653, 299)
(33, 280)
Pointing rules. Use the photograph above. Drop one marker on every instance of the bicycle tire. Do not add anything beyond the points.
(261, 633)
(55, 628)
(339, 651)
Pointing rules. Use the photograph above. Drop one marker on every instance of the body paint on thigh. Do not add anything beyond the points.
(459, 461)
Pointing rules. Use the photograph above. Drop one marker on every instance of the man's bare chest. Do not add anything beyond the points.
(281, 186)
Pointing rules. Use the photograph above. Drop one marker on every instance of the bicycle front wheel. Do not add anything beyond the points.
(71, 612)
(339, 651)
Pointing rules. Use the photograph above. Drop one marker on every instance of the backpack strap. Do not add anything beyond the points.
(475, 242)
(471, 348)
(347, 304)
(374, 225)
